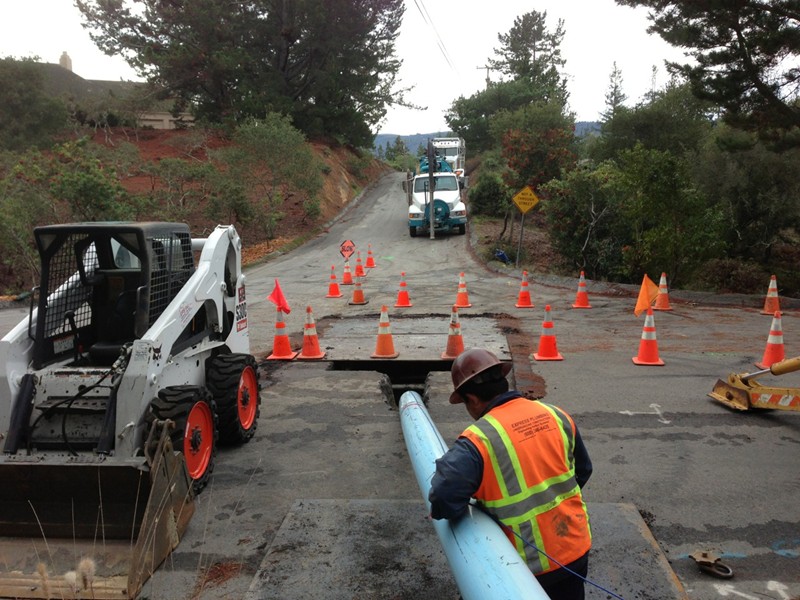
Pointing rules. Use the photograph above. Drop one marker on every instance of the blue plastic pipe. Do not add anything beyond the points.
(485, 564)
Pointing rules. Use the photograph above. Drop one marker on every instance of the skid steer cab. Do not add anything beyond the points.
(133, 364)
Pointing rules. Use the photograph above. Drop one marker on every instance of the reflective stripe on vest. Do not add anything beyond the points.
(520, 505)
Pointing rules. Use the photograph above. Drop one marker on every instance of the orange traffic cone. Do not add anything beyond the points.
(347, 275)
(370, 264)
(524, 297)
(548, 349)
(455, 343)
(581, 297)
(311, 350)
(771, 302)
(462, 298)
(774, 351)
(648, 346)
(403, 301)
(333, 286)
(359, 267)
(384, 346)
(358, 294)
(662, 300)
(281, 348)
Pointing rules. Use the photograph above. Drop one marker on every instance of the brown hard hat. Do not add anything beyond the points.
(469, 365)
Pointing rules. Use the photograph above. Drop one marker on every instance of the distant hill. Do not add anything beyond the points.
(412, 142)
(584, 128)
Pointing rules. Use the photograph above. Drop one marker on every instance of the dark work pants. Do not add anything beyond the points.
(562, 585)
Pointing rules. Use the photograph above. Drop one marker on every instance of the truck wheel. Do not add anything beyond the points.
(233, 381)
(412, 231)
(195, 435)
(462, 229)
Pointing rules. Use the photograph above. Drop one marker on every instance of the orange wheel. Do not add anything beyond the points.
(233, 381)
(198, 439)
(247, 398)
(192, 410)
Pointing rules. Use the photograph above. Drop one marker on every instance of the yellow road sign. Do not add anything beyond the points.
(525, 199)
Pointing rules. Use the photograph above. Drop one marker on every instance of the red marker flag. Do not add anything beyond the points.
(647, 295)
(278, 299)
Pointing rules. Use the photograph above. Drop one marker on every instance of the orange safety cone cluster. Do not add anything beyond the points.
(771, 302)
(662, 300)
(311, 349)
(524, 297)
(281, 347)
(548, 349)
(462, 298)
(455, 343)
(358, 294)
(581, 297)
(333, 286)
(403, 300)
(648, 346)
(370, 264)
(347, 274)
(384, 345)
(774, 351)
(359, 267)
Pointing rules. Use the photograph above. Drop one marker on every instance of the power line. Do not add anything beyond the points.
(423, 11)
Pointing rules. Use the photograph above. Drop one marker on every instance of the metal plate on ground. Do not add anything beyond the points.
(388, 549)
(417, 339)
(345, 549)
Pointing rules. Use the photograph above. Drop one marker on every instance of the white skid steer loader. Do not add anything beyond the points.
(134, 362)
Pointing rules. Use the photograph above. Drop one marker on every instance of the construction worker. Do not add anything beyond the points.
(525, 464)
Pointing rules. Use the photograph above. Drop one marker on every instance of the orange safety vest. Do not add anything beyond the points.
(529, 480)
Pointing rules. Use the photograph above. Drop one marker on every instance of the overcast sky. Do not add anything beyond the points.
(598, 32)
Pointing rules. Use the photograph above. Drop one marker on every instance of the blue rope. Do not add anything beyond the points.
(527, 543)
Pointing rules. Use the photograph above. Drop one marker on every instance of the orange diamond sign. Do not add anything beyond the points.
(526, 199)
(347, 248)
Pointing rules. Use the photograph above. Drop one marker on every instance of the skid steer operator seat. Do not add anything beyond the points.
(116, 331)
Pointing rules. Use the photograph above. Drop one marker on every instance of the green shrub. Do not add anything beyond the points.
(731, 275)
(358, 164)
(489, 196)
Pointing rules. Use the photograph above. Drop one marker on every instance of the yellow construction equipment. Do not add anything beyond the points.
(742, 392)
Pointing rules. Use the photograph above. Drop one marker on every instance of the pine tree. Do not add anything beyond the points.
(615, 96)
(329, 64)
(745, 58)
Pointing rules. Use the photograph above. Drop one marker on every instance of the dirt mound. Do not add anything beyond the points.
(345, 174)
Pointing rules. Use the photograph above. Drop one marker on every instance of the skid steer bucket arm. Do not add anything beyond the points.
(742, 392)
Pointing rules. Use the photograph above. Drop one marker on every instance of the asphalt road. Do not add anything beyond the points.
(702, 476)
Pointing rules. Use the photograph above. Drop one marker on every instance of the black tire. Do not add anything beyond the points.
(233, 381)
(412, 231)
(195, 435)
(462, 229)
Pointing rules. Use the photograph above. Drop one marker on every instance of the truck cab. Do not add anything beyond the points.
(449, 210)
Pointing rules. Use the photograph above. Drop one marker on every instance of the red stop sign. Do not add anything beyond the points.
(347, 248)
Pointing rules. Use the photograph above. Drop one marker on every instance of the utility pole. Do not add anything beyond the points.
(431, 185)
(488, 68)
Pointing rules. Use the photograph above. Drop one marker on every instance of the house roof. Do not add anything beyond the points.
(61, 82)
